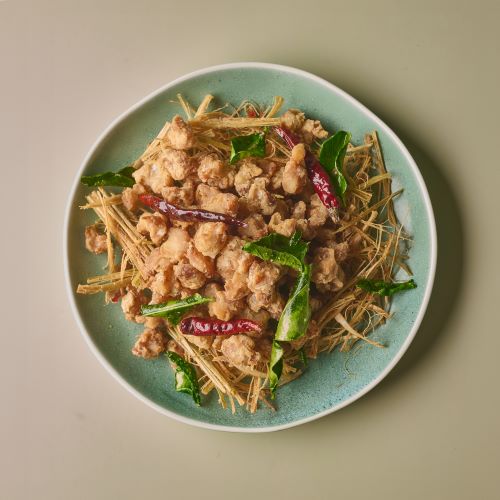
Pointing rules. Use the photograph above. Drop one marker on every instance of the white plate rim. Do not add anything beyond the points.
(381, 125)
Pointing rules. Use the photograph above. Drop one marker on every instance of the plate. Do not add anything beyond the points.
(333, 380)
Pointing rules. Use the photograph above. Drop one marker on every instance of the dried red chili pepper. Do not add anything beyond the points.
(317, 174)
(189, 215)
(209, 326)
(251, 112)
(116, 297)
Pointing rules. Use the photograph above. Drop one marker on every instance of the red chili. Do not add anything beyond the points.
(116, 297)
(317, 174)
(188, 215)
(209, 326)
(251, 112)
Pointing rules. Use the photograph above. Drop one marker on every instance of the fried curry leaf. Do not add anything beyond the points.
(296, 314)
(174, 309)
(185, 377)
(277, 248)
(245, 146)
(122, 178)
(331, 156)
(275, 367)
(385, 288)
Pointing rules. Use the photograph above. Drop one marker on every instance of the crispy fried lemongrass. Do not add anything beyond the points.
(123, 230)
(369, 225)
(234, 123)
(277, 103)
(202, 108)
(106, 282)
(111, 200)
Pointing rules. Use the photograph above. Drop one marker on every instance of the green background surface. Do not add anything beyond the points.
(429, 430)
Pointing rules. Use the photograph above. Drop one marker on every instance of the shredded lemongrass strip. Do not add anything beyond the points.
(153, 146)
(362, 195)
(367, 162)
(109, 243)
(125, 233)
(256, 395)
(202, 108)
(352, 150)
(249, 393)
(239, 122)
(277, 103)
(374, 180)
(112, 200)
(367, 211)
(371, 218)
(123, 265)
(185, 106)
(343, 322)
(387, 187)
(243, 106)
(104, 278)
(212, 142)
(395, 244)
(108, 287)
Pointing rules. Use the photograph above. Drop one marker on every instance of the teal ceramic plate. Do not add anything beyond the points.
(332, 381)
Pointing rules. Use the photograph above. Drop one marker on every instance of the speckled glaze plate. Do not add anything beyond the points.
(330, 382)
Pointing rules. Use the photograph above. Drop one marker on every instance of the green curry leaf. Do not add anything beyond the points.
(385, 288)
(185, 377)
(331, 156)
(245, 146)
(296, 314)
(275, 367)
(174, 309)
(122, 178)
(292, 325)
(277, 248)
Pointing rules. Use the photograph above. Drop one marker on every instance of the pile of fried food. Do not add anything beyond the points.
(247, 243)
